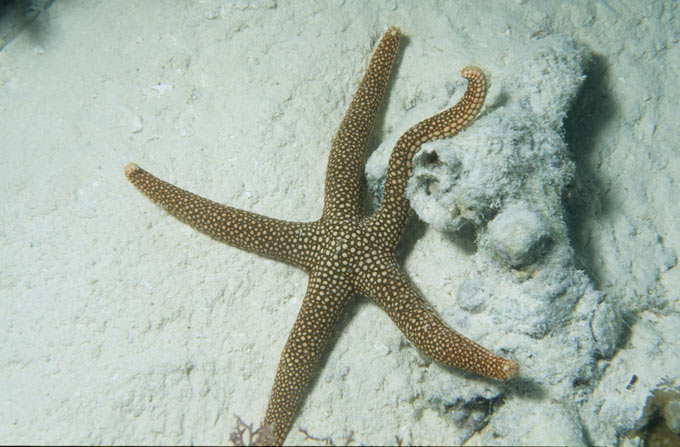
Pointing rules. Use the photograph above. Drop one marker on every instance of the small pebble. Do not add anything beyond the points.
(517, 235)
(136, 125)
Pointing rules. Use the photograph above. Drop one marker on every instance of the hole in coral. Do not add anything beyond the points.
(657, 434)
(432, 158)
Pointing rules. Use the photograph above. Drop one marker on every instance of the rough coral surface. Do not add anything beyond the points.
(507, 179)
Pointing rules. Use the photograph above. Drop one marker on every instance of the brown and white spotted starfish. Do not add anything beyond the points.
(345, 253)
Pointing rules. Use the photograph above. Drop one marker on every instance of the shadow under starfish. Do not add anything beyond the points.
(344, 252)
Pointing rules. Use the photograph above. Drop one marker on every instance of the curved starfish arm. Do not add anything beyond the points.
(327, 294)
(249, 231)
(394, 209)
(430, 334)
(345, 171)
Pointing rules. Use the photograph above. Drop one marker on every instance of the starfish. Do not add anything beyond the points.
(345, 253)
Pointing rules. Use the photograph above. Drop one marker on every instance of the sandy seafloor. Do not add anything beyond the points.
(118, 324)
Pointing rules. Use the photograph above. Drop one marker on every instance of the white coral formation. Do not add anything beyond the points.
(506, 177)
(514, 152)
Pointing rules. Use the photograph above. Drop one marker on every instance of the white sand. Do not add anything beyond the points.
(119, 324)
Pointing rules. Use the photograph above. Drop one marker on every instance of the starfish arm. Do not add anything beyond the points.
(249, 231)
(394, 209)
(430, 334)
(327, 294)
(344, 174)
